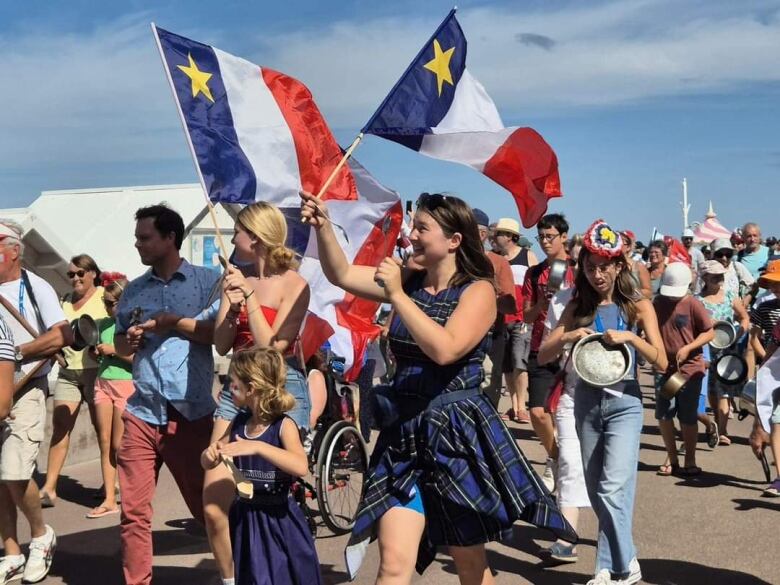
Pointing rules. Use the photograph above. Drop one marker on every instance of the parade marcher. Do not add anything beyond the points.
(445, 470)
(686, 328)
(697, 257)
(722, 305)
(507, 305)
(755, 255)
(609, 420)
(657, 252)
(169, 416)
(758, 436)
(113, 387)
(518, 333)
(271, 540)
(552, 231)
(32, 299)
(765, 313)
(639, 271)
(75, 382)
(737, 279)
(265, 310)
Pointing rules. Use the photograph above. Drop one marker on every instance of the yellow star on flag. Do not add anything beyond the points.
(199, 79)
(440, 64)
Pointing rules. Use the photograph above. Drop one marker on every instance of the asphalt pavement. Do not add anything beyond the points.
(716, 529)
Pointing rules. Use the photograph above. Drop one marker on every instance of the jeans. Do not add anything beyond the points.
(609, 428)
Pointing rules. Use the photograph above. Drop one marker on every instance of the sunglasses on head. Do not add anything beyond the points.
(79, 273)
(430, 200)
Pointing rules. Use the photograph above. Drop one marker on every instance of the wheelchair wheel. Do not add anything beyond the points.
(342, 468)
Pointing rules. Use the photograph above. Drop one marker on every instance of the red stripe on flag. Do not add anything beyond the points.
(314, 333)
(527, 167)
(357, 314)
(317, 149)
(677, 251)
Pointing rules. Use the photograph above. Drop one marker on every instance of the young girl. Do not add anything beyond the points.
(114, 385)
(609, 420)
(270, 537)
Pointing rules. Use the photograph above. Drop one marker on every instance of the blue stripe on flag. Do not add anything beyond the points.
(414, 105)
(225, 168)
(297, 232)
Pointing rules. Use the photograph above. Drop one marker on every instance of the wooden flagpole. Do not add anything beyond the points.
(212, 211)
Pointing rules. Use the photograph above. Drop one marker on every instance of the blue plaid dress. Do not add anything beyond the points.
(474, 481)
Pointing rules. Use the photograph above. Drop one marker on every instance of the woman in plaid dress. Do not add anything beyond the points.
(445, 470)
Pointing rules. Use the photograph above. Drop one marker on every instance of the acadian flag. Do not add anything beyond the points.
(437, 108)
(256, 134)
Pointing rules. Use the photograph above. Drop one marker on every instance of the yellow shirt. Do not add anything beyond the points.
(94, 307)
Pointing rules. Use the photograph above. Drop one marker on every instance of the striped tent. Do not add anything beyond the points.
(710, 229)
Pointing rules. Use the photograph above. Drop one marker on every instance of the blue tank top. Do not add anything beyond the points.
(610, 317)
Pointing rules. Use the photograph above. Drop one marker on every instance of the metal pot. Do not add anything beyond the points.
(85, 332)
(730, 369)
(725, 335)
(747, 399)
(672, 385)
(600, 364)
(557, 275)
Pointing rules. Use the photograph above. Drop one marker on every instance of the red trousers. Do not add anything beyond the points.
(145, 447)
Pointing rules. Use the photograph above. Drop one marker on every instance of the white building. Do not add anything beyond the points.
(100, 222)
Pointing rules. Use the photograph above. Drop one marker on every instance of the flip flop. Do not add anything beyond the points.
(509, 415)
(46, 500)
(724, 440)
(668, 469)
(713, 438)
(101, 511)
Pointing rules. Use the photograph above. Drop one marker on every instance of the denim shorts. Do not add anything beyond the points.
(684, 405)
(296, 385)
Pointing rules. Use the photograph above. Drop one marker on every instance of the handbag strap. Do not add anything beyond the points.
(28, 285)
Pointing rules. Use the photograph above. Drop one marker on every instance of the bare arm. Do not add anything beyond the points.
(755, 342)
(742, 315)
(653, 348)
(290, 457)
(49, 343)
(644, 280)
(210, 457)
(468, 324)
(531, 310)
(563, 335)
(287, 324)
(532, 259)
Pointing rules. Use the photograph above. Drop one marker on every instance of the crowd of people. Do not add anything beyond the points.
(473, 314)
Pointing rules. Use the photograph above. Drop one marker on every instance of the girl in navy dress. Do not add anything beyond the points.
(445, 471)
(270, 537)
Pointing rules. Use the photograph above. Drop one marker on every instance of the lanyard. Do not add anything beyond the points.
(621, 324)
(21, 299)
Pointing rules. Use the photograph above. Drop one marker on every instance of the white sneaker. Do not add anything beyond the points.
(634, 574)
(603, 577)
(40, 557)
(11, 568)
(548, 477)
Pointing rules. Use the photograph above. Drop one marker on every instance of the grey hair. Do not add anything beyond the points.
(17, 228)
(751, 224)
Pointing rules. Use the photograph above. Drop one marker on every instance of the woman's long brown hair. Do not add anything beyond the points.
(586, 299)
(455, 216)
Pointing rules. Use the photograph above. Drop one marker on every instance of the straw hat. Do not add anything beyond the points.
(509, 225)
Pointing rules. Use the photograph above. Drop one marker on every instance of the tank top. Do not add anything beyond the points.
(723, 311)
(244, 338)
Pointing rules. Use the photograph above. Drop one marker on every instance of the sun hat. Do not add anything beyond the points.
(721, 244)
(481, 217)
(688, 233)
(507, 224)
(676, 280)
(602, 240)
(711, 267)
(771, 275)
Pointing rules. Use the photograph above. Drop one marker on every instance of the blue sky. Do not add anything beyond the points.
(632, 95)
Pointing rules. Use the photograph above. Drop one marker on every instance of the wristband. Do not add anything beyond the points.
(246, 296)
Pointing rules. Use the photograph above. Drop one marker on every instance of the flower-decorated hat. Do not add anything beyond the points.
(602, 240)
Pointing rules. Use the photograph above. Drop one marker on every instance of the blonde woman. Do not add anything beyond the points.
(263, 311)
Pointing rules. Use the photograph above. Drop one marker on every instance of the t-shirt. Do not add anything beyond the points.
(48, 303)
(534, 287)
(111, 368)
(765, 314)
(554, 313)
(519, 266)
(94, 307)
(504, 280)
(7, 353)
(755, 261)
(680, 322)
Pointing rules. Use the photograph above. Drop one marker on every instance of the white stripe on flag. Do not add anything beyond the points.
(470, 148)
(471, 110)
(262, 131)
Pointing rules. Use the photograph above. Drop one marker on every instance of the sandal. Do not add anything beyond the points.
(713, 438)
(724, 440)
(509, 415)
(101, 511)
(689, 471)
(668, 469)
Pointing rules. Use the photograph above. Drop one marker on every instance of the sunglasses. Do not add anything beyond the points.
(727, 254)
(79, 273)
(110, 303)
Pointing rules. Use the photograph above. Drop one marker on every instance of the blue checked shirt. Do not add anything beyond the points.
(170, 367)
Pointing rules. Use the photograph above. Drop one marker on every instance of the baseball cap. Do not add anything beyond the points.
(711, 267)
(507, 224)
(688, 233)
(721, 244)
(481, 217)
(675, 280)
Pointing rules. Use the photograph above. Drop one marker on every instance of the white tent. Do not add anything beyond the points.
(101, 223)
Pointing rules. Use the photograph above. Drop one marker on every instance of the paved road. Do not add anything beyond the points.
(714, 530)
